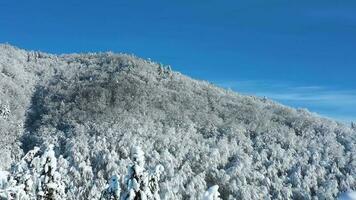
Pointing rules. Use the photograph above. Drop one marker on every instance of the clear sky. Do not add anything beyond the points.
(299, 52)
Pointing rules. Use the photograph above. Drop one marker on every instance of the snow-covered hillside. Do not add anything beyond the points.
(95, 107)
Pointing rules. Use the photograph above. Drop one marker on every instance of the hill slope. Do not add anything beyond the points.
(94, 107)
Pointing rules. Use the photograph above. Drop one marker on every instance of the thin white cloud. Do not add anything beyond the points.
(320, 97)
(334, 103)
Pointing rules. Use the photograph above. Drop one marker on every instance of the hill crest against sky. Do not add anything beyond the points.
(259, 47)
(94, 107)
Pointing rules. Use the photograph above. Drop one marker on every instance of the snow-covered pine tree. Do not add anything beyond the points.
(160, 70)
(51, 186)
(136, 180)
(353, 125)
(4, 176)
(4, 111)
(4, 181)
(113, 190)
(153, 181)
(140, 184)
(19, 184)
(34, 177)
(212, 193)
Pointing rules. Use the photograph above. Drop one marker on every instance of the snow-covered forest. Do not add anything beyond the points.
(110, 126)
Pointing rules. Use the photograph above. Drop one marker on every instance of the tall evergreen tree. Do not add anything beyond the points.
(140, 184)
(113, 190)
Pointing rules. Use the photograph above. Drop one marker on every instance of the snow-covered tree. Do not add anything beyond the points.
(353, 125)
(4, 181)
(212, 193)
(113, 190)
(20, 182)
(4, 111)
(4, 177)
(35, 177)
(141, 184)
(51, 185)
(137, 178)
(153, 181)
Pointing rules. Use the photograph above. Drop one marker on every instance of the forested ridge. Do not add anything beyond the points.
(92, 109)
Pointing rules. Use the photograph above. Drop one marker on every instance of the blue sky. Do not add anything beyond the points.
(301, 53)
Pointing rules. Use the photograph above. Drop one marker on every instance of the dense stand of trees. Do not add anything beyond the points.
(40, 176)
(94, 107)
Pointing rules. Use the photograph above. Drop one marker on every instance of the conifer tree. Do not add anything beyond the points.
(113, 190)
(212, 193)
(140, 184)
(35, 177)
